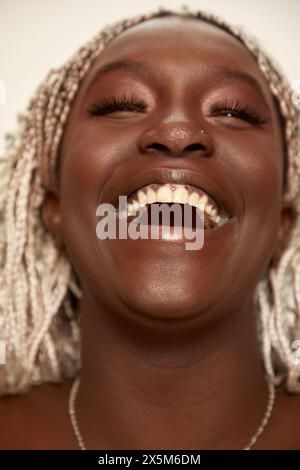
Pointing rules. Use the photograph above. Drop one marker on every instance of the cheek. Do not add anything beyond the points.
(259, 179)
(88, 161)
(256, 169)
(87, 164)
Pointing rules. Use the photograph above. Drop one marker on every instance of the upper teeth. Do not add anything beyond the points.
(173, 193)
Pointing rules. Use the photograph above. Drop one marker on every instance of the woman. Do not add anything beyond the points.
(142, 344)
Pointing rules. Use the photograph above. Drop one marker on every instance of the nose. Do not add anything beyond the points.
(176, 139)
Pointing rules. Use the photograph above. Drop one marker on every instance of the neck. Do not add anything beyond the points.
(167, 386)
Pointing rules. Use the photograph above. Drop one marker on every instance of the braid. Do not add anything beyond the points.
(39, 290)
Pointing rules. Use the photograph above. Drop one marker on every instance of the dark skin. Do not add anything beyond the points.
(170, 357)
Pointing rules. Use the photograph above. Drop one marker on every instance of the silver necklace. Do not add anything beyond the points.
(72, 413)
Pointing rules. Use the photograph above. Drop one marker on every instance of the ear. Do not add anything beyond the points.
(288, 217)
(51, 216)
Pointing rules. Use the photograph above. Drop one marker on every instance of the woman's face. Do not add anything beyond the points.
(183, 69)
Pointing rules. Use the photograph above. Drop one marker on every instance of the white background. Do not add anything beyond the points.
(37, 35)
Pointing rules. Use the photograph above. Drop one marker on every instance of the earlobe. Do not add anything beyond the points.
(288, 218)
(51, 217)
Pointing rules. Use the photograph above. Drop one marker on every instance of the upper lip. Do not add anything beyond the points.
(224, 198)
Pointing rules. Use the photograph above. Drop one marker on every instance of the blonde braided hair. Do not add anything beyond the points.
(39, 291)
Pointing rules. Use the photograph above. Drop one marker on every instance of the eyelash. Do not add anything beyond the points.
(111, 104)
(240, 111)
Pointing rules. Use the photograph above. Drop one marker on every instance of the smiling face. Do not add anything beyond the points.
(183, 76)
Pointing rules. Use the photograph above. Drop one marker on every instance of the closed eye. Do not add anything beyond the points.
(226, 108)
(112, 104)
(233, 109)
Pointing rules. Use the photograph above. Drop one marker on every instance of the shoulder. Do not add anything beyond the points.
(31, 420)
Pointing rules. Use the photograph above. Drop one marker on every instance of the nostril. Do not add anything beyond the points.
(157, 146)
(196, 147)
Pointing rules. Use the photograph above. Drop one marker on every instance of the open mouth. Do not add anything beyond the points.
(204, 211)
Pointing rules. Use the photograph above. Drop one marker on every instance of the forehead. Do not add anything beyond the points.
(183, 46)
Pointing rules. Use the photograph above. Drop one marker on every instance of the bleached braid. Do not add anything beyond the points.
(39, 291)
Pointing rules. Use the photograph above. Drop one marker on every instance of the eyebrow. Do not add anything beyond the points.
(137, 68)
(142, 68)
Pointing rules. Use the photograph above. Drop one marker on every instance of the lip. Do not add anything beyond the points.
(224, 197)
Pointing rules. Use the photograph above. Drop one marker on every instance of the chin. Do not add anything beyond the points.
(166, 301)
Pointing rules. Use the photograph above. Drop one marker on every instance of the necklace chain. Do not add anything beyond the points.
(81, 444)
